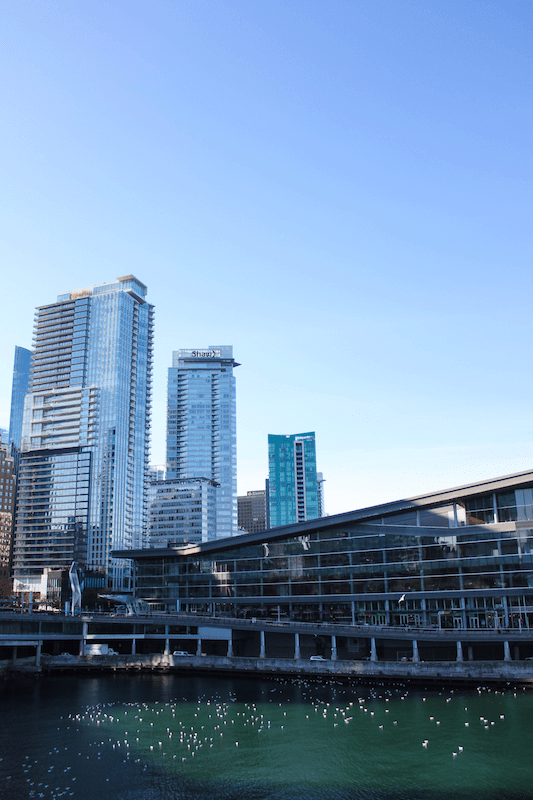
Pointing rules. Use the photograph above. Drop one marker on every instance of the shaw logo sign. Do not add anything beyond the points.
(204, 354)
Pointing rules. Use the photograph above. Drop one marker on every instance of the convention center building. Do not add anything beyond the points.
(460, 559)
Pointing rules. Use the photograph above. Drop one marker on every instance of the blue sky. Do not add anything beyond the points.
(341, 190)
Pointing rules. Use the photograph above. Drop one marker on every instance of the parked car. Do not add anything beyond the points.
(317, 658)
(180, 653)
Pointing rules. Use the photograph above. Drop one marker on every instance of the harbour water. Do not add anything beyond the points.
(175, 737)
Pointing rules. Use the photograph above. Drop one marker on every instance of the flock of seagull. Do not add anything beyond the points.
(181, 731)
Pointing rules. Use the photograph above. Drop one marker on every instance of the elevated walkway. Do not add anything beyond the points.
(48, 642)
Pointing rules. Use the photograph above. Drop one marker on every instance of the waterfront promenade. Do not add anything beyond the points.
(51, 643)
(475, 672)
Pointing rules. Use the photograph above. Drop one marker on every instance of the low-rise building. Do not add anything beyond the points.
(456, 559)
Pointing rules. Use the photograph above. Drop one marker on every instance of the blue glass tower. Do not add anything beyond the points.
(21, 379)
(85, 438)
(201, 426)
(292, 479)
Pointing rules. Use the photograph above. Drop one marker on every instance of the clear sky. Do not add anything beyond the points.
(340, 190)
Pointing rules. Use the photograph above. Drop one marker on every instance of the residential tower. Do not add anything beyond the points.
(85, 437)
(201, 426)
(292, 479)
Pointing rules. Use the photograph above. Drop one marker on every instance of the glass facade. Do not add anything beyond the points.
(20, 386)
(252, 511)
(421, 562)
(182, 511)
(202, 427)
(53, 505)
(85, 438)
(7, 507)
(293, 482)
(320, 488)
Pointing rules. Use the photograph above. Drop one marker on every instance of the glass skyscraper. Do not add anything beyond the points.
(292, 479)
(201, 426)
(21, 379)
(85, 437)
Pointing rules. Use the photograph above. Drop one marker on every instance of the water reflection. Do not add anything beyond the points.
(163, 737)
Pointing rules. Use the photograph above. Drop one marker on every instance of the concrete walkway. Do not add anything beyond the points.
(460, 673)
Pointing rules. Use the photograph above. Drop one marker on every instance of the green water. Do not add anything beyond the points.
(159, 737)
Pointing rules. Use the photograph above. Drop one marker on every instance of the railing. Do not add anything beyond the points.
(332, 628)
(362, 630)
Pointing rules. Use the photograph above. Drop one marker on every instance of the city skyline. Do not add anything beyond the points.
(341, 193)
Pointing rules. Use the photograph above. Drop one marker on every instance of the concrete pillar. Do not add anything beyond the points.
(353, 612)
(38, 655)
(199, 647)
(373, 651)
(230, 647)
(506, 651)
(416, 657)
(297, 653)
(133, 646)
(333, 648)
(516, 653)
(262, 652)
(505, 612)
(167, 641)
(470, 653)
(463, 612)
(459, 651)
(83, 642)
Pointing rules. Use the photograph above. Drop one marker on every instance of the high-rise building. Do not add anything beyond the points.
(20, 386)
(320, 487)
(7, 508)
(85, 438)
(157, 472)
(182, 511)
(252, 511)
(201, 426)
(292, 479)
